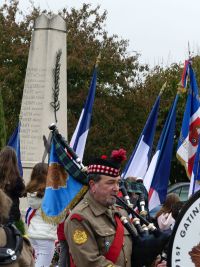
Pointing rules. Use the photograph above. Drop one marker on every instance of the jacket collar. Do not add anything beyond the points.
(96, 207)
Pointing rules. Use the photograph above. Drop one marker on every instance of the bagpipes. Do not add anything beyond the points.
(69, 158)
(148, 241)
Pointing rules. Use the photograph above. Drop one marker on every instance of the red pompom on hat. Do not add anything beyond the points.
(108, 166)
(119, 155)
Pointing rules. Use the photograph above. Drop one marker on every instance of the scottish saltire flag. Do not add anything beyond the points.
(157, 177)
(188, 141)
(61, 189)
(139, 160)
(195, 178)
(14, 142)
(79, 137)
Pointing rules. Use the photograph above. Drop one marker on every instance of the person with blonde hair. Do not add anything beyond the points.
(164, 216)
(42, 234)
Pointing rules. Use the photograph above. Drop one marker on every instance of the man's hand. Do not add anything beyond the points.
(163, 263)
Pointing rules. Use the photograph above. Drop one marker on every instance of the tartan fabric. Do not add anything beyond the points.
(136, 187)
(68, 163)
(133, 186)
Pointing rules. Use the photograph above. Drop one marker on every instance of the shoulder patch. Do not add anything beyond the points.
(80, 237)
(76, 216)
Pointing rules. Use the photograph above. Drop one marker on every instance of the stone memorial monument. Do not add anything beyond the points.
(45, 90)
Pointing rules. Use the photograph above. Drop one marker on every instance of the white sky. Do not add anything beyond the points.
(158, 29)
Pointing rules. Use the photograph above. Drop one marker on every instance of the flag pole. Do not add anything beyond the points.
(163, 88)
(98, 60)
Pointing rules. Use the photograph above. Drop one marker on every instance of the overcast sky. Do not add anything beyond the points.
(158, 29)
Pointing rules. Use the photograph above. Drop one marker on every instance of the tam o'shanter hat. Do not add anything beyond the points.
(108, 166)
(132, 186)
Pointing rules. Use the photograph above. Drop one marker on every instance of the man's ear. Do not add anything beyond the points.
(91, 183)
(92, 186)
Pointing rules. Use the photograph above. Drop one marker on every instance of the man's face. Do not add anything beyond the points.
(105, 190)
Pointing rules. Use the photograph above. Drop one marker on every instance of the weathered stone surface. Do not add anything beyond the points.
(48, 37)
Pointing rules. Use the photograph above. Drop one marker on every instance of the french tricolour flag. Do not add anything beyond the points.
(188, 141)
(139, 160)
(79, 137)
(157, 176)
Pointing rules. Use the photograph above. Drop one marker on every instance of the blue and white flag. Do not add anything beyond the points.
(79, 137)
(157, 177)
(62, 191)
(14, 142)
(195, 178)
(139, 160)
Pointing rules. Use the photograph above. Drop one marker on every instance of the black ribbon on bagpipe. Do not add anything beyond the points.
(70, 160)
(148, 243)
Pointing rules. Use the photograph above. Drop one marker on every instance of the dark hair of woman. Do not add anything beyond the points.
(168, 204)
(37, 182)
(9, 171)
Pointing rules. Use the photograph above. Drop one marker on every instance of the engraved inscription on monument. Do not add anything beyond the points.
(31, 111)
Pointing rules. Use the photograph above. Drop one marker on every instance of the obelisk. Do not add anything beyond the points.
(48, 48)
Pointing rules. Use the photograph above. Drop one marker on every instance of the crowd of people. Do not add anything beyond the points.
(99, 231)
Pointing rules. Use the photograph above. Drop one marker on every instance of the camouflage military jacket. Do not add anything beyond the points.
(90, 236)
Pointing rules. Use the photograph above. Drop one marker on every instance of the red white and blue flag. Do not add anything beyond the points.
(157, 177)
(188, 140)
(195, 178)
(140, 158)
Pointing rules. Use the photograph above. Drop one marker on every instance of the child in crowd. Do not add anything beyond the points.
(42, 235)
(164, 216)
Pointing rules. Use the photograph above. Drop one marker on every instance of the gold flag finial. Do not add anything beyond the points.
(163, 88)
(98, 60)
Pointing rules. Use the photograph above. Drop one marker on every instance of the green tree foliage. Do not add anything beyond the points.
(117, 72)
(14, 45)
